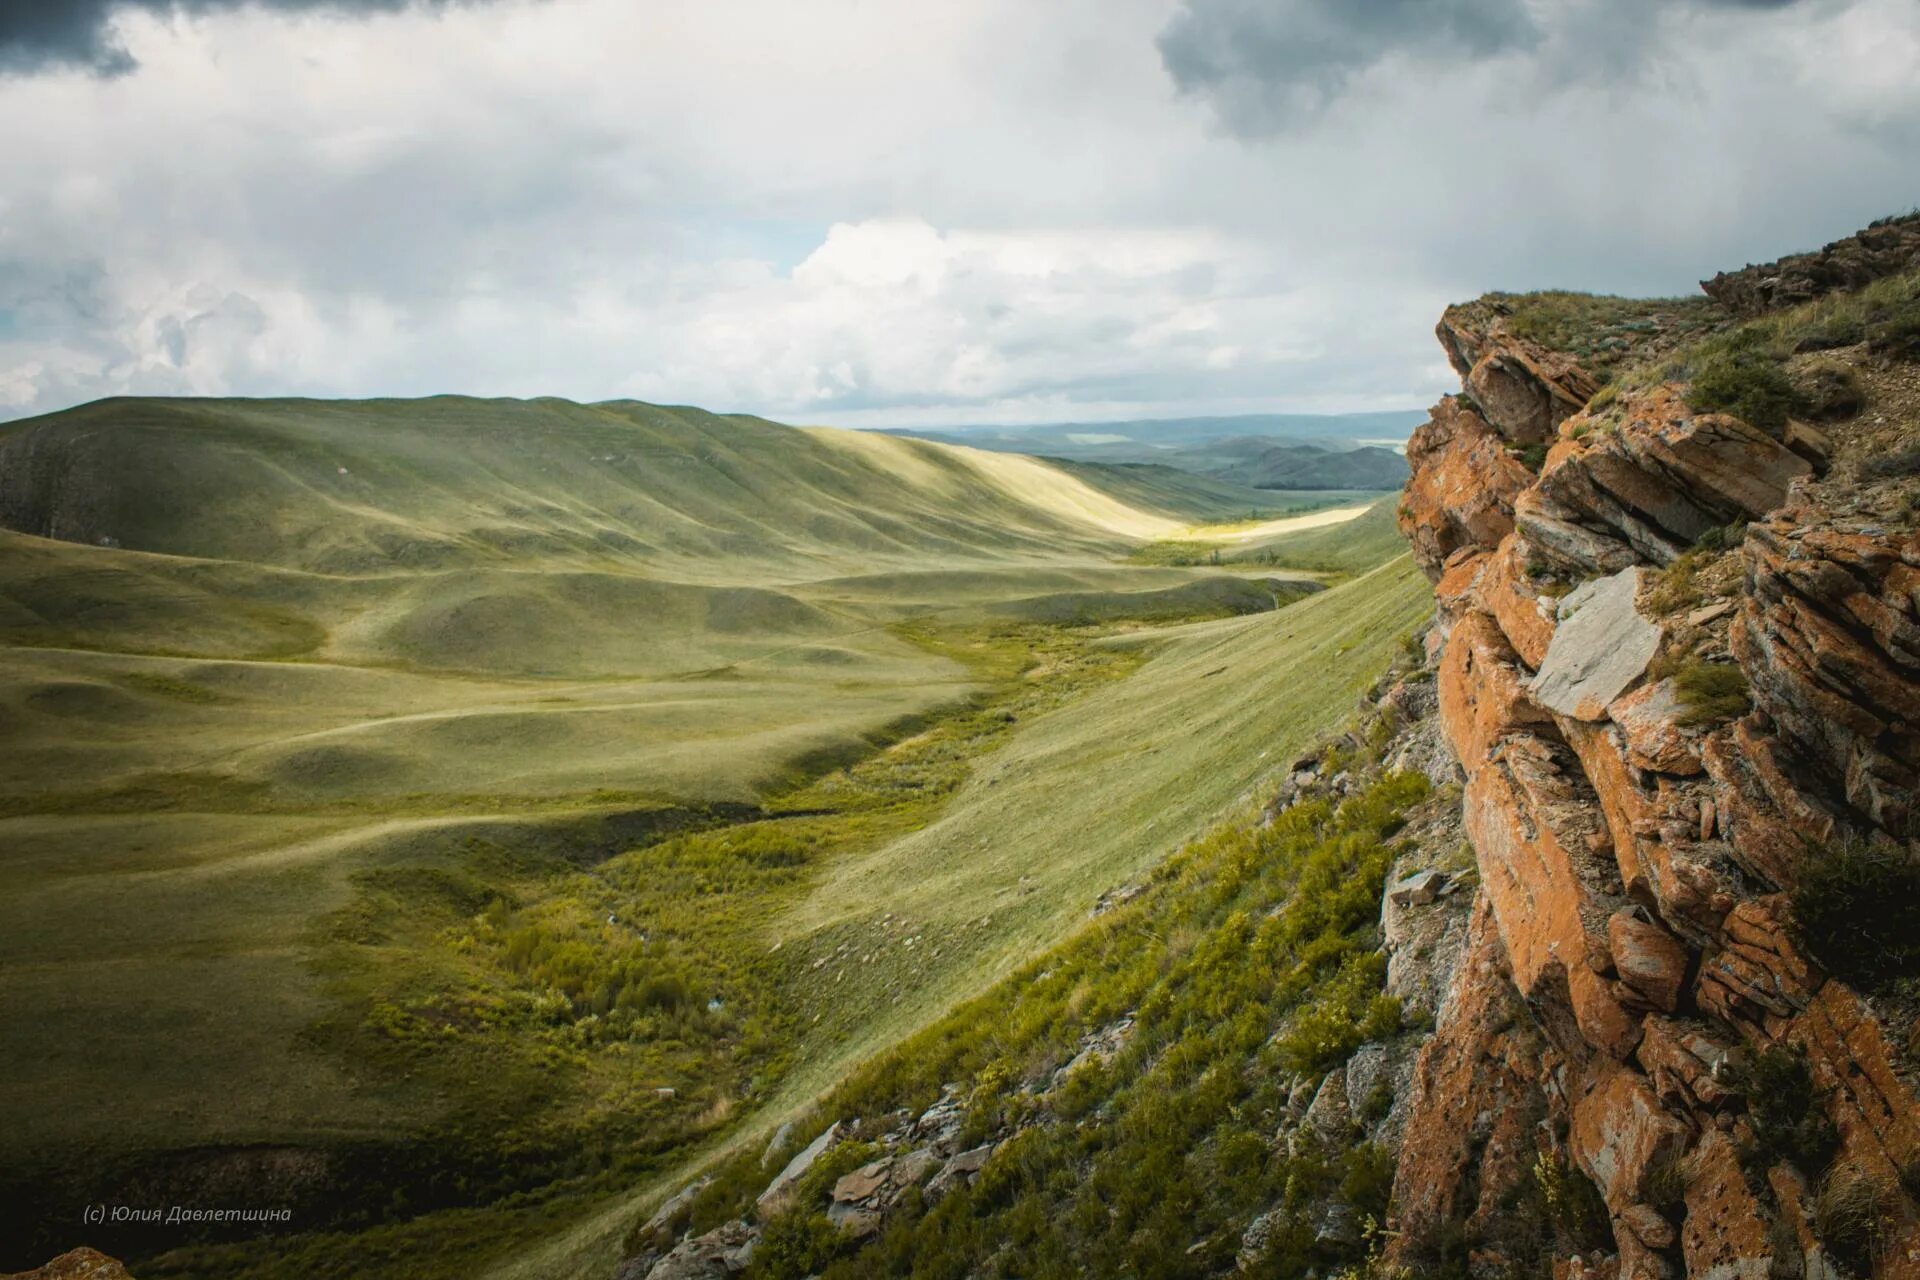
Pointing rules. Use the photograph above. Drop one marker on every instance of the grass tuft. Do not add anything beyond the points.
(1858, 908)
(1711, 692)
(1850, 1216)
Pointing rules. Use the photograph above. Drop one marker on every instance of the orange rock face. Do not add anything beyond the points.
(1621, 1133)
(1633, 867)
(1830, 638)
(1644, 488)
(1525, 390)
(1651, 962)
(1727, 1231)
(1462, 488)
(1476, 1096)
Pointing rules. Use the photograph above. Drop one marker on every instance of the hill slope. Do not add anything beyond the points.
(452, 482)
(325, 715)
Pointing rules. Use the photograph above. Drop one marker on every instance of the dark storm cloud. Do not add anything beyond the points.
(1266, 64)
(1285, 59)
(43, 33)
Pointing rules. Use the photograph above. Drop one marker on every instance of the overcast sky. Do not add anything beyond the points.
(897, 211)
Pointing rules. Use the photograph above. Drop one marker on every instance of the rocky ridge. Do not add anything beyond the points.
(1888, 246)
(1633, 969)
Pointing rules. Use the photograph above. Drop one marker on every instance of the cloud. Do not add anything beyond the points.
(860, 213)
(1263, 60)
(41, 33)
(1266, 65)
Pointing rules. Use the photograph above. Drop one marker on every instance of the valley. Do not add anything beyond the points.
(420, 804)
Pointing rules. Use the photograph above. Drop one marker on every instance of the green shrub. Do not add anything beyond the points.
(1830, 391)
(1747, 383)
(1723, 538)
(1711, 692)
(1858, 909)
(1788, 1119)
(1897, 338)
(1251, 930)
(798, 1244)
(1891, 466)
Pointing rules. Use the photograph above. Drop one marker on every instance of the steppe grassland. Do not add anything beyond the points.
(1061, 814)
(253, 793)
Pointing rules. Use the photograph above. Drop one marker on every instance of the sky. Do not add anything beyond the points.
(897, 212)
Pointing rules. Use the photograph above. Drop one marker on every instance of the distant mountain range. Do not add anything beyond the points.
(1263, 451)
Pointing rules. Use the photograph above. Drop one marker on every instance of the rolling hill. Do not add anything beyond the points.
(314, 707)
(450, 482)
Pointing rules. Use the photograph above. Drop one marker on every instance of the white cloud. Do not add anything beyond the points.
(949, 211)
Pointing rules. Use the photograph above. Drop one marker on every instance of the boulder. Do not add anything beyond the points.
(1525, 390)
(1649, 720)
(855, 1220)
(1648, 489)
(1419, 889)
(1649, 959)
(862, 1182)
(655, 1228)
(1884, 249)
(724, 1251)
(1621, 1134)
(912, 1169)
(1328, 1117)
(1649, 1226)
(1600, 648)
(1689, 1068)
(959, 1171)
(780, 1190)
(940, 1124)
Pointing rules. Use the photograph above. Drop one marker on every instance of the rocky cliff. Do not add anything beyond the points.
(1678, 642)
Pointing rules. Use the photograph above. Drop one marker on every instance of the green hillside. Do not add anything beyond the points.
(355, 487)
(356, 732)
(1201, 497)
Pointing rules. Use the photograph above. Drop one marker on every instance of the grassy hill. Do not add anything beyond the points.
(1263, 465)
(356, 487)
(347, 740)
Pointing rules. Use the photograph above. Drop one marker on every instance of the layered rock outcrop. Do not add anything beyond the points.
(1634, 951)
(1883, 249)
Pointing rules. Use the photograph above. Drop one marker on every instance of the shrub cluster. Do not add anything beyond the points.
(1749, 384)
(1785, 1111)
(1710, 692)
(1858, 909)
